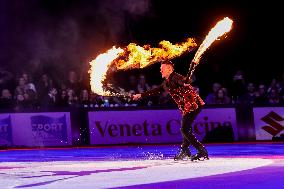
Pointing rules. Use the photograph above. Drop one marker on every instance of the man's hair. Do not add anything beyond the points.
(168, 62)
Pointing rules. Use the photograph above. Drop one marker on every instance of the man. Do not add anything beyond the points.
(188, 101)
(6, 101)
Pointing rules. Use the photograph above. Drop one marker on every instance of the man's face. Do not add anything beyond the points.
(250, 87)
(166, 70)
(220, 93)
(6, 93)
(22, 81)
(216, 87)
(25, 76)
(261, 89)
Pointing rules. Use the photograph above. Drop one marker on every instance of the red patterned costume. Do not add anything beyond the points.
(185, 97)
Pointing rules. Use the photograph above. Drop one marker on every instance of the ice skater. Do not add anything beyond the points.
(189, 102)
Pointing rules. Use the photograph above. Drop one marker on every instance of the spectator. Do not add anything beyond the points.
(5, 79)
(249, 96)
(273, 85)
(133, 84)
(97, 100)
(26, 101)
(221, 97)
(142, 84)
(30, 101)
(21, 88)
(44, 85)
(20, 102)
(72, 98)
(84, 98)
(63, 99)
(6, 101)
(73, 82)
(261, 95)
(28, 82)
(273, 96)
(210, 98)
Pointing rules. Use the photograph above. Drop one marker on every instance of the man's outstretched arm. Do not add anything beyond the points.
(150, 92)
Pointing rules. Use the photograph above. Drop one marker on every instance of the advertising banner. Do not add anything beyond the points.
(269, 122)
(36, 129)
(154, 126)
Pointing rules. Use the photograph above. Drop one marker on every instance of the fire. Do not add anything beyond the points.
(132, 56)
(135, 56)
(217, 31)
(99, 68)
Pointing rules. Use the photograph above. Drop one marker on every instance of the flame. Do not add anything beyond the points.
(135, 56)
(132, 56)
(217, 31)
(99, 68)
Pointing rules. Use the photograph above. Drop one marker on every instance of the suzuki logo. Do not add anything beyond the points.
(273, 119)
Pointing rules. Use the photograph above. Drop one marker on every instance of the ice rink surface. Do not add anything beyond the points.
(258, 165)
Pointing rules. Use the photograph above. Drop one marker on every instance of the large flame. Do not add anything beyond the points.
(132, 56)
(135, 56)
(217, 31)
(99, 68)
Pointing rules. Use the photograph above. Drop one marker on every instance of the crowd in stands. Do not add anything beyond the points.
(26, 93)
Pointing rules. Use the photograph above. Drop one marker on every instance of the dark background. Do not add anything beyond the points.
(57, 35)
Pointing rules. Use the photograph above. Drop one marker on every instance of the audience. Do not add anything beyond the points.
(48, 92)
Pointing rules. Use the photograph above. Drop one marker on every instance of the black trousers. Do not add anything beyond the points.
(187, 133)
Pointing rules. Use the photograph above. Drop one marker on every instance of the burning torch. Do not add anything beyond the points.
(135, 56)
(221, 28)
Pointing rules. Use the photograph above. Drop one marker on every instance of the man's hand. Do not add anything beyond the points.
(136, 96)
(186, 84)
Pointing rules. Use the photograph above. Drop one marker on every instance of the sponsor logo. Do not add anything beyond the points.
(172, 127)
(49, 128)
(273, 127)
